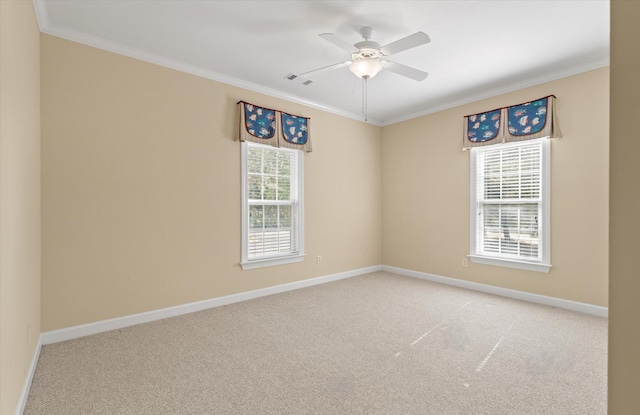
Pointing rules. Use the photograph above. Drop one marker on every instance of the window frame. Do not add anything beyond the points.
(538, 265)
(277, 259)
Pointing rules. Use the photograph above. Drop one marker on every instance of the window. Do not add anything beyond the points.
(272, 211)
(510, 205)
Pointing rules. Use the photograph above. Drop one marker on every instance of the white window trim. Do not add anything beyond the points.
(534, 265)
(275, 260)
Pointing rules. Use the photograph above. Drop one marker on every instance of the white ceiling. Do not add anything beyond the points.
(478, 48)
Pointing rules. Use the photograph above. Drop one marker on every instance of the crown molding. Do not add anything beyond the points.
(114, 47)
(515, 86)
(41, 14)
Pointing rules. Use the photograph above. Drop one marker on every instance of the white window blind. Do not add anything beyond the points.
(272, 199)
(510, 203)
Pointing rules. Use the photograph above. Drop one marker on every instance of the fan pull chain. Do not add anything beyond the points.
(362, 109)
(364, 96)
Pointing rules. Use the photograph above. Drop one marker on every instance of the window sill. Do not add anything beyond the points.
(510, 263)
(271, 262)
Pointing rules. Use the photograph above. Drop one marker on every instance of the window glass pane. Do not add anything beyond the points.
(284, 188)
(530, 185)
(510, 187)
(511, 229)
(492, 187)
(284, 217)
(284, 164)
(491, 234)
(528, 230)
(254, 160)
(270, 158)
(256, 217)
(265, 236)
(274, 237)
(270, 188)
(530, 159)
(510, 162)
(509, 226)
(255, 187)
(492, 166)
(529, 250)
(512, 173)
(270, 217)
(286, 228)
(492, 216)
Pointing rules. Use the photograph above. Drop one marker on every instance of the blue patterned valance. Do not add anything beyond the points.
(534, 119)
(260, 122)
(273, 127)
(294, 129)
(484, 127)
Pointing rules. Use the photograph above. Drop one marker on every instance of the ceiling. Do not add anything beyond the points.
(478, 48)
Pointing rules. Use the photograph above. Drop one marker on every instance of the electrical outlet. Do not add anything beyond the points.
(319, 259)
(465, 263)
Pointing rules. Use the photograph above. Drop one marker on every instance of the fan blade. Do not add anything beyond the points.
(404, 70)
(326, 68)
(330, 37)
(411, 41)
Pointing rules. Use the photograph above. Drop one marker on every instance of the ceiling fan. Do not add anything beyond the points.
(369, 57)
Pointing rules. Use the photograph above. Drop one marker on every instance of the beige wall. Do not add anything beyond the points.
(624, 276)
(19, 197)
(141, 194)
(426, 194)
(137, 157)
(110, 206)
(141, 189)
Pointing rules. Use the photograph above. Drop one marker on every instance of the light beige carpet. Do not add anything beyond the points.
(373, 344)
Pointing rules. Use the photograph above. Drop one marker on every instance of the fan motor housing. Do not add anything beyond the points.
(367, 52)
(368, 44)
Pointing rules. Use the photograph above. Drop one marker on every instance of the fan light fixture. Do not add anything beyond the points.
(366, 67)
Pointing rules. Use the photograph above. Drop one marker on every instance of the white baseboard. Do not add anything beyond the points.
(504, 292)
(74, 332)
(27, 382)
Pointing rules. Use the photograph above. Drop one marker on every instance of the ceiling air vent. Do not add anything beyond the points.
(299, 79)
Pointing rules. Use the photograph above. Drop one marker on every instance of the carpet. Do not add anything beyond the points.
(374, 344)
